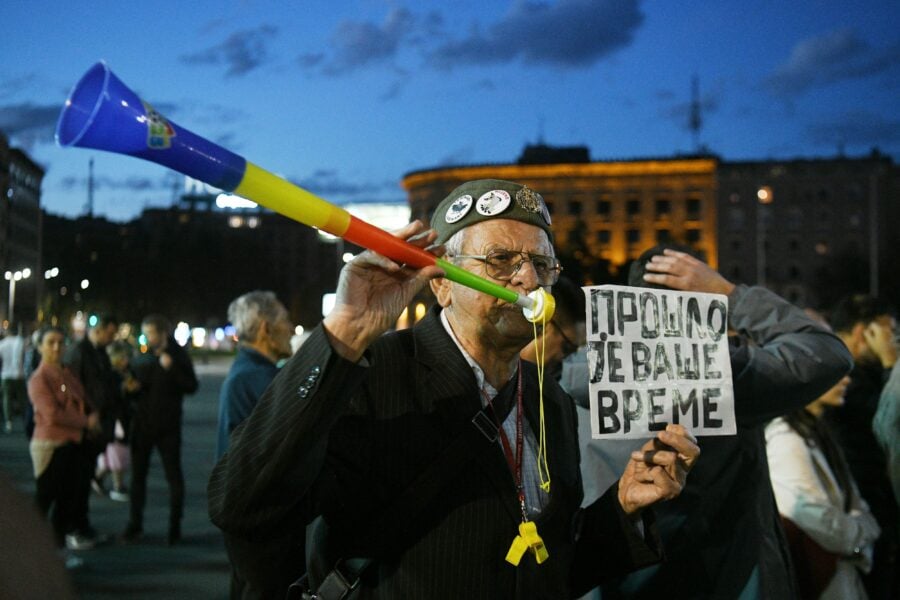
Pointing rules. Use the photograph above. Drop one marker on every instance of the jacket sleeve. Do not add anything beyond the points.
(261, 486)
(801, 496)
(608, 544)
(886, 424)
(183, 372)
(790, 361)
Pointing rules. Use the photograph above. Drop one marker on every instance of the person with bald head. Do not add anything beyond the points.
(420, 457)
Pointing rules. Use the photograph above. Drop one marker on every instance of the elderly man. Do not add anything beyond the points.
(264, 334)
(417, 450)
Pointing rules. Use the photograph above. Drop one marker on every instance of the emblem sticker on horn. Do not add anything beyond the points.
(159, 132)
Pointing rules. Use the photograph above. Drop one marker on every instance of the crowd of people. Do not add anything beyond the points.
(93, 408)
(349, 466)
(455, 458)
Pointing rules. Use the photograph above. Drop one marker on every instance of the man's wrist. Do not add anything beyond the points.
(348, 337)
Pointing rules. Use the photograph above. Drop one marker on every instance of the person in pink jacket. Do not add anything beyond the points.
(60, 426)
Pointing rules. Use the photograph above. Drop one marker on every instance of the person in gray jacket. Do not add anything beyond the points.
(723, 536)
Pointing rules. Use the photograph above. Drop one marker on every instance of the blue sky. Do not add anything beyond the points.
(344, 98)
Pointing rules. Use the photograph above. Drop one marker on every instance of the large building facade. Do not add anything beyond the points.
(20, 233)
(812, 230)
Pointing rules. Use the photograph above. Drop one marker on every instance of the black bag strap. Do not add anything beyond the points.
(481, 434)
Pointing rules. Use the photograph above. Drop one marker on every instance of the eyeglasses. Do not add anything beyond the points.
(502, 264)
(569, 347)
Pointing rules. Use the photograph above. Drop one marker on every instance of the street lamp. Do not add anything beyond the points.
(765, 197)
(12, 277)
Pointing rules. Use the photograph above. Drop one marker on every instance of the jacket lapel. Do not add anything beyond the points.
(445, 380)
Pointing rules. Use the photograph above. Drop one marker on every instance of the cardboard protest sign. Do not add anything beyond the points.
(657, 357)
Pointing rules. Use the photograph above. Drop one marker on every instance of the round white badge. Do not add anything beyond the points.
(493, 203)
(458, 209)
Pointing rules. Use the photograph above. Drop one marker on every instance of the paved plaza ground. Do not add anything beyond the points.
(197, 568)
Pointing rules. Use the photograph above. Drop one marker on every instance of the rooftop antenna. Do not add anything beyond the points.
(696, 118)
(89, 207)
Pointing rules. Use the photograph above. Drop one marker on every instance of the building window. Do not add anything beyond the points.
(693, 209)
(603, 236)
(821, 248)
(693, 235)
(663, 236)
(604, 208)
(633, 236)
(735, 245)
(574, 207)
(735, 217)
(793, 272)
(633, 208)
(795, 218)
(794, 244)
(735, 273)
(663, 208)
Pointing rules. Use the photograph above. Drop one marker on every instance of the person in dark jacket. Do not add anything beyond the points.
(359, 417)
(88, 360)
(869, 327)
(264, 333)
(166, 374)
(723, 534)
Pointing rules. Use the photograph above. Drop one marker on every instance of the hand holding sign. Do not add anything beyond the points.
(658, 470)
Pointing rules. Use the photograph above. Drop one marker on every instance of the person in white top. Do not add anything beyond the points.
(15, 392)
(815, 491)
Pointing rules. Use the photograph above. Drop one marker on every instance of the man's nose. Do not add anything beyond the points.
(526, 276)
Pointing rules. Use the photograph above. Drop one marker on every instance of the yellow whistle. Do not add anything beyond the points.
(528, 539)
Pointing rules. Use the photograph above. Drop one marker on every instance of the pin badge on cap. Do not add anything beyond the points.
(493, 203)
(529, 200)
(458, 209)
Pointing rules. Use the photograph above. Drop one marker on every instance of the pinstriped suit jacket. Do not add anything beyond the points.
(341, 440)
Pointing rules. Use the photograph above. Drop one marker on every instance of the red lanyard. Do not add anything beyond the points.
(515, 465)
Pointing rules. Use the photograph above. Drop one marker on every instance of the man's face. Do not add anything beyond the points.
(106, 334)
(476, 317)
(884, 327)
(561, 341)
(279, 335)
(155, 338)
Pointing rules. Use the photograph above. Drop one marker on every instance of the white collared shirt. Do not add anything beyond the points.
(535, 498)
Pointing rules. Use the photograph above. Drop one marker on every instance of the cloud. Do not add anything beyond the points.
(242, 52)
(28, 124)
(569, 33)
(14, 85)
(829, 58)
(356, 44)
(328, 184)
(129, 184)
(861, 129)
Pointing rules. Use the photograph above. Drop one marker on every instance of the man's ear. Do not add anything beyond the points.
(262, 334)
(441, 287)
